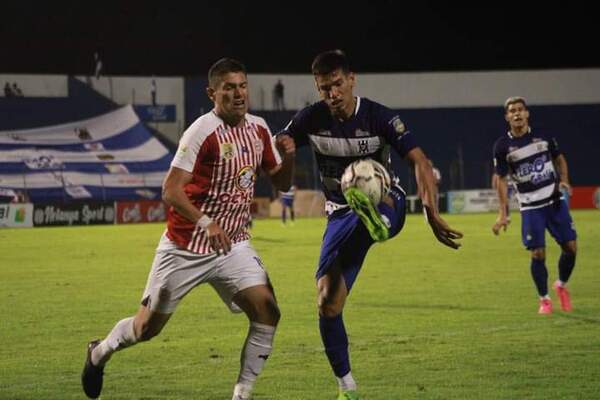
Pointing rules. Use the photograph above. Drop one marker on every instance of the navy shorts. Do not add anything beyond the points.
(555, 217)
(287, 202)
(347, 240)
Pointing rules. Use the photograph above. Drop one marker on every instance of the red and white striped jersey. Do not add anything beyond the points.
(223, 161)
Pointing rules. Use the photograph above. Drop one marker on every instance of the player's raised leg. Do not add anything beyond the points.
(368, 214)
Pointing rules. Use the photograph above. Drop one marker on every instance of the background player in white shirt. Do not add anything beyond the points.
(210, 188)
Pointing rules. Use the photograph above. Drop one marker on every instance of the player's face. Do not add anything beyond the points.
(517, 117)
(336, 90)
(230, 96)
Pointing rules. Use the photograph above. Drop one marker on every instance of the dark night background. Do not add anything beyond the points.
(179, 39)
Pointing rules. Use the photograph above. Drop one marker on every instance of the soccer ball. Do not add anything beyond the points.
(369, 177)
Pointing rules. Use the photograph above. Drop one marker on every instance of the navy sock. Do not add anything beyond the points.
(539, 273)
(333, 334)
(566, 263)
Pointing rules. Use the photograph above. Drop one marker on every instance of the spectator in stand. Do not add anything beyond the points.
(17, 90)
(278, 95)
(153, 91)
(98, 67)
(7, 90)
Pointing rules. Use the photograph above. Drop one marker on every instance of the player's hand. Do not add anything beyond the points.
(501, 222)
(285, 144)
(218, 239)
(565, 187)
(442, 231)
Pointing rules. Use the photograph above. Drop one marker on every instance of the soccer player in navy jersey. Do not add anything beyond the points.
(341, 129)
(539, 171)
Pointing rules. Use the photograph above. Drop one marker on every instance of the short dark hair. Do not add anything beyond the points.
(222, 67)
(514, 100)
(329, 61)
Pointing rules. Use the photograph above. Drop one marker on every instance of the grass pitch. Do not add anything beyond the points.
(424, 321)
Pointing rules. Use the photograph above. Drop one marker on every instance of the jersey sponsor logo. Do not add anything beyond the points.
(227, 151)
(535, 170)
(528, 168)
(245, 178)
(236, 197)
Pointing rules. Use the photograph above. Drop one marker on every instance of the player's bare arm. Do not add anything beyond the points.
(281, 175)
(427, 191)
(174, 195)
(502, 189)
(563, 172)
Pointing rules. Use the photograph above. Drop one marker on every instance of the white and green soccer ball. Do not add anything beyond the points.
(368, 176)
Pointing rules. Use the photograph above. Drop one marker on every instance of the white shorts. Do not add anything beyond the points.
(176, 271)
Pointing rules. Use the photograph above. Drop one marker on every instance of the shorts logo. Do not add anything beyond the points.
(227, 151)
(245, 178)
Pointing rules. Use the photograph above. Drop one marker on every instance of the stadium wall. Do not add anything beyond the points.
(137, 91)
(37, 85)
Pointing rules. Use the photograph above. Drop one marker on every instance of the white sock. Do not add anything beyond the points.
(561, 283)
(121, 336)
(346, 382)
(546, 297)
(257, 349)
(242, 391)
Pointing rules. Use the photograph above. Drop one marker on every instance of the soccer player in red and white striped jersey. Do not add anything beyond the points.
(210, 187)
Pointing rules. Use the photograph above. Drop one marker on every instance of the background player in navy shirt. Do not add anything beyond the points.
(341, 129)
(532, 159)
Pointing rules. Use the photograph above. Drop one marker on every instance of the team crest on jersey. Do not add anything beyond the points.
(398, 125)
(363, 146)
(227, 151)
(245, 178)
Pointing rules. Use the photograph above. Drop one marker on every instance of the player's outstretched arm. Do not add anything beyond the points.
(502, 190)
(428, 192)
(174, 195)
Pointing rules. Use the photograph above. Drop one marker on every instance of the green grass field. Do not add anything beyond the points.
(425, 322)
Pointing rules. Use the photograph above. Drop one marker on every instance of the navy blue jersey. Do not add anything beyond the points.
(529, 160)
(367, 134)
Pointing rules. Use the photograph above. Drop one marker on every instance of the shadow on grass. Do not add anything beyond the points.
(581, 318)
(267, 240)
(448, 307)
